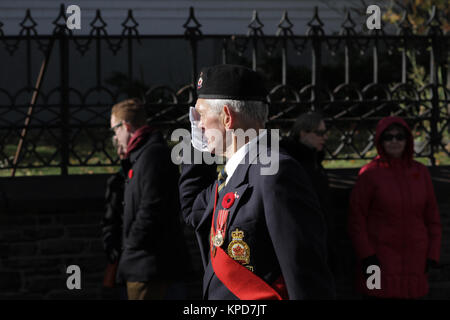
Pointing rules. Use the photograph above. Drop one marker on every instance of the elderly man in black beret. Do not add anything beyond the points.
(261, 233)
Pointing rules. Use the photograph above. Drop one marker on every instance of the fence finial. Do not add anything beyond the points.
(255, 26)
(60, 21)
(404, 26)
(98, 24)
(28, 24)
(192, 25)
(434, 23)
(315, 24)
(130, 24)
(348, 26)
(285, 25)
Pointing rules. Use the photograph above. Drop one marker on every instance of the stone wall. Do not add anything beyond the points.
(49, 223)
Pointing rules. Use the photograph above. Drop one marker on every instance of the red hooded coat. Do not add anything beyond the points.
(394, 215)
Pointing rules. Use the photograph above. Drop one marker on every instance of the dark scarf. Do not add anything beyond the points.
(138, 139)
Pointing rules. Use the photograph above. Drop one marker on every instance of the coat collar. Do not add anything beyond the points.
(128, 163)
(150, 139)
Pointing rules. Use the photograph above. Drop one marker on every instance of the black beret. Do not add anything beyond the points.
(227, 81)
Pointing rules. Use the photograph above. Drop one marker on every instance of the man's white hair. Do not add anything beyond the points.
(251, 111)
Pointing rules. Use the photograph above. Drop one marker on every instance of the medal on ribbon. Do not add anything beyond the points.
(221, 227)
(218, 239)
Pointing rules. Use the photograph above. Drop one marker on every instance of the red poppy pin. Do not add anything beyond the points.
(130, 173)
(228, 200)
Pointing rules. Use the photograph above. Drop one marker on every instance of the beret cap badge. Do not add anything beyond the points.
(200, 81)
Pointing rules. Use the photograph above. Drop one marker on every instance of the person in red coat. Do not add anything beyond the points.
(394, 220)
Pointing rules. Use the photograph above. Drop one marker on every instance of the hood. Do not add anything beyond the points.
(382, 125)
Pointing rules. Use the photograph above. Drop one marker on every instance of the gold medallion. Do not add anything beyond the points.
(238, 249)
(218, 239)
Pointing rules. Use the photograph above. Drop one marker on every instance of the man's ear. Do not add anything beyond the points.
(228, 117)
(128, 126)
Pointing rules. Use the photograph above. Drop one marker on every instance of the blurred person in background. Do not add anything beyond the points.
(305, 143)
(153, 255)
(394, 221)
(111, 222)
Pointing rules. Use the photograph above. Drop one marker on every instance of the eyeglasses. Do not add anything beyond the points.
(390, 137)
(320, 133)
(113, 128)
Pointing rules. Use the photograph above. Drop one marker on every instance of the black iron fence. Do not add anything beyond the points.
(354, 78)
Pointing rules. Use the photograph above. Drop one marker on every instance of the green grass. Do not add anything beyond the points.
(93, 170)
(336, 164)
(441, 159)
(99, 158)
(46, 152)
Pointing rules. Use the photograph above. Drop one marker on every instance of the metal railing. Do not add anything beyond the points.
(66, 123)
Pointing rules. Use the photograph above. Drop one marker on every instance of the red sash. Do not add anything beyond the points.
(243, 283)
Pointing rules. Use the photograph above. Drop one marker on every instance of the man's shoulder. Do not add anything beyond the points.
(155, 146)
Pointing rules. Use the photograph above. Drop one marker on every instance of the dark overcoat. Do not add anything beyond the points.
(152, 242)
(281, 220)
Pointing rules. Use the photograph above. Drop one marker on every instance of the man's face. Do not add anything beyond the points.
(316, 138)
(121, 133)
(119, 149)
(212, 127)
